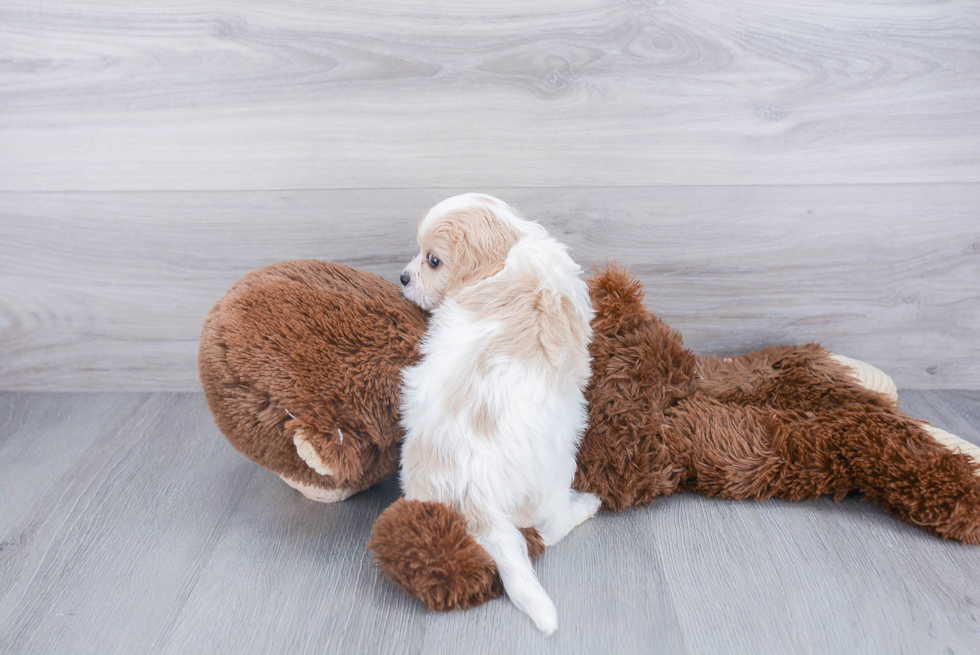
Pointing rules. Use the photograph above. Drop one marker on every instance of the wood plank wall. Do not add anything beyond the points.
(774, 171)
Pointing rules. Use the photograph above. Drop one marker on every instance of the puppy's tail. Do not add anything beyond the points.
(508, 548)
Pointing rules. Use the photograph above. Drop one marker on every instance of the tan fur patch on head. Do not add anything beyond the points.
(472, 242)
(538, 324)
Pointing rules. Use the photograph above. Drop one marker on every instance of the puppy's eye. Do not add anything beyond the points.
(433, 261)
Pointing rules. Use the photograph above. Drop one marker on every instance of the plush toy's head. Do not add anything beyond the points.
(300, 364)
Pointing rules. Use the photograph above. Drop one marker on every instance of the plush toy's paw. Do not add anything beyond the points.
(308, 454)
(425, 549)
(869, 376)
(954, 443)
(318, 494)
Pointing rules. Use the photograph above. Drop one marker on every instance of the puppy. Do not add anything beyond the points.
(494, 410)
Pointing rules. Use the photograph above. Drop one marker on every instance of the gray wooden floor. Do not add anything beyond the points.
(128, 524)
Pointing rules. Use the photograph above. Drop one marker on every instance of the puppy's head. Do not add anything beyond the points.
(462, 240)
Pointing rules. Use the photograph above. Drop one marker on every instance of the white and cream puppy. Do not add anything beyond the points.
(494, 410)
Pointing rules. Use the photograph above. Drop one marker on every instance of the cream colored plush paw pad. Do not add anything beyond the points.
(875, 379)
(869, 376)
(954, 443)
(317, 494)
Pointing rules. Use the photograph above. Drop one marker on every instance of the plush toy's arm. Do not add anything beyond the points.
(424, 548)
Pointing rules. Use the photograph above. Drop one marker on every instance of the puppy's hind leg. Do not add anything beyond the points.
(508, 548)
(567, 510)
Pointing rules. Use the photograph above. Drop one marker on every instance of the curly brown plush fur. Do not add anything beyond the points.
(786, 422)
(424, 548)
(640, 368)
(277, 357)
(815, 434)
(325, 344)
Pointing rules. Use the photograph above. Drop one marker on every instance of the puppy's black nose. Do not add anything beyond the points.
(405, 279)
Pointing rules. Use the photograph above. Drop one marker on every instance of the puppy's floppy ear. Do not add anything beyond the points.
(478, 243)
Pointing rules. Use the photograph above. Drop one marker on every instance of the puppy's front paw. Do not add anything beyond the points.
(308, 454)
(584, 507)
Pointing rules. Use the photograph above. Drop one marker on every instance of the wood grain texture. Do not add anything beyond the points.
(146, 532)
(97, 559)
(288, 94)
(108, 291)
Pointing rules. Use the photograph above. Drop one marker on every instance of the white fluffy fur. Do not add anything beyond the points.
(518, 474)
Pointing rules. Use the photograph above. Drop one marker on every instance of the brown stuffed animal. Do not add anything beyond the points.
(300, 367)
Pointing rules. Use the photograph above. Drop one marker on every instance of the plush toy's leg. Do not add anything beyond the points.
(795, 377)
(743, 452)
(954, 443)
(874, 379)
(900, 465)
(426, 550)
(868, 376)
